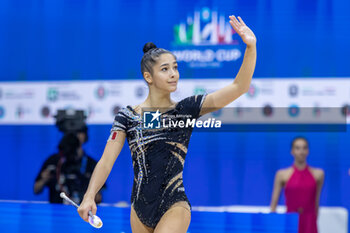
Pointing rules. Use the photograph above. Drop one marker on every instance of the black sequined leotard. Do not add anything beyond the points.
(158, 157)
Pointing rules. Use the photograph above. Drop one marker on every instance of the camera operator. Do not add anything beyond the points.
(67, 171)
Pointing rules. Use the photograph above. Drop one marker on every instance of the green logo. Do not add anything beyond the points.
(52, 94)
(204, 27)
(199, 91)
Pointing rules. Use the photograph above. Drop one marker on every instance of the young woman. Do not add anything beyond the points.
(302, 186)
(159, 203)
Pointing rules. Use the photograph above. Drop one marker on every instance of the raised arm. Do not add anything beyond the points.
(240, 85)
(100, 174)
(277, 187)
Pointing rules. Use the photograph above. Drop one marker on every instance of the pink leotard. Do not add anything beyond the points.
(300, 193)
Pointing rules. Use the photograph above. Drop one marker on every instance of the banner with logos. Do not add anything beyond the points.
(38, 102)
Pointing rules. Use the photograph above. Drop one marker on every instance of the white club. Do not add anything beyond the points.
(94, 220)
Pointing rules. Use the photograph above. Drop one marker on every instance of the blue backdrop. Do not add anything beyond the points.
(43, 218)
(90, 39)
(220, 169)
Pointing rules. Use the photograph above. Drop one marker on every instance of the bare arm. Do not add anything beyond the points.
(100, 174)
(240, 85)
(45, 177)
(39, 186)
(277, 187)
(319, 189)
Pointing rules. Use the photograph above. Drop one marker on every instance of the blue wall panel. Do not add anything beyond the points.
(87, 39)
(220, 169)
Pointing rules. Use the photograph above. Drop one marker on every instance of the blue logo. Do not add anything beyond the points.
(238, 111)
(293, 110)
(217, 113)
(140, 91)
(293, 90)
(2, 112)
(151, 120)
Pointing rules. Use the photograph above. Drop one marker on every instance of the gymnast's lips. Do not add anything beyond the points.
(173, 83)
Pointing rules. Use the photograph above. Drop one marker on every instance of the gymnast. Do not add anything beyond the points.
(158, 199)
(302, 184)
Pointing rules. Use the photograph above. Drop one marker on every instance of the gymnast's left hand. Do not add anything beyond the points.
(243, 31)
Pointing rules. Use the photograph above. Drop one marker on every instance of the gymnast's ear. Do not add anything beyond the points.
(148, 77)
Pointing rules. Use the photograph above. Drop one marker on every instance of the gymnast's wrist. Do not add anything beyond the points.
(251, 46)
(89, 195)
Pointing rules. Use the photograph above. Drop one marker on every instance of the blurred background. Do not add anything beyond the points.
(85, 54)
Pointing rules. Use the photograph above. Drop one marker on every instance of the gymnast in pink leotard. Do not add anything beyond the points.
(302, 187)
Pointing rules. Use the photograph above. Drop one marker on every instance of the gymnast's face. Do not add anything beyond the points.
(165, 73)
(300, 150)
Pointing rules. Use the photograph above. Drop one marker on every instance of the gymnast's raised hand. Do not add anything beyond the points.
(243, 31)
(241, 83)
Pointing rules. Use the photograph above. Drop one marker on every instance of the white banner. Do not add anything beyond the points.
(37, 102)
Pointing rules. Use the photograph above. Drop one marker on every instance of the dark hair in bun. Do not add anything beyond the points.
(150, 57)
(148, 46)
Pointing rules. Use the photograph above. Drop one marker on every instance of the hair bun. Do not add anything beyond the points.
(148, 46)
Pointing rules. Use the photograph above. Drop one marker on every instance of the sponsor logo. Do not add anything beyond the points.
(345, 110)
(17, 94)
(204, 27)
(115, 109)
(199, 91)
(267, 110)
(293, 110)
(293, 90)
(320, 91)
(316, 111)
(217, 113)
(45, 111)
(2, 112)
(140, 91)
(238, 111)
(52, 94)
(21, 111)
(110, 90)
(253, 91)
(100, 92)
(93, 110)
(205, 39)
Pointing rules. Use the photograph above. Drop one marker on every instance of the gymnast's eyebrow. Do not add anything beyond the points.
(166, 64)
